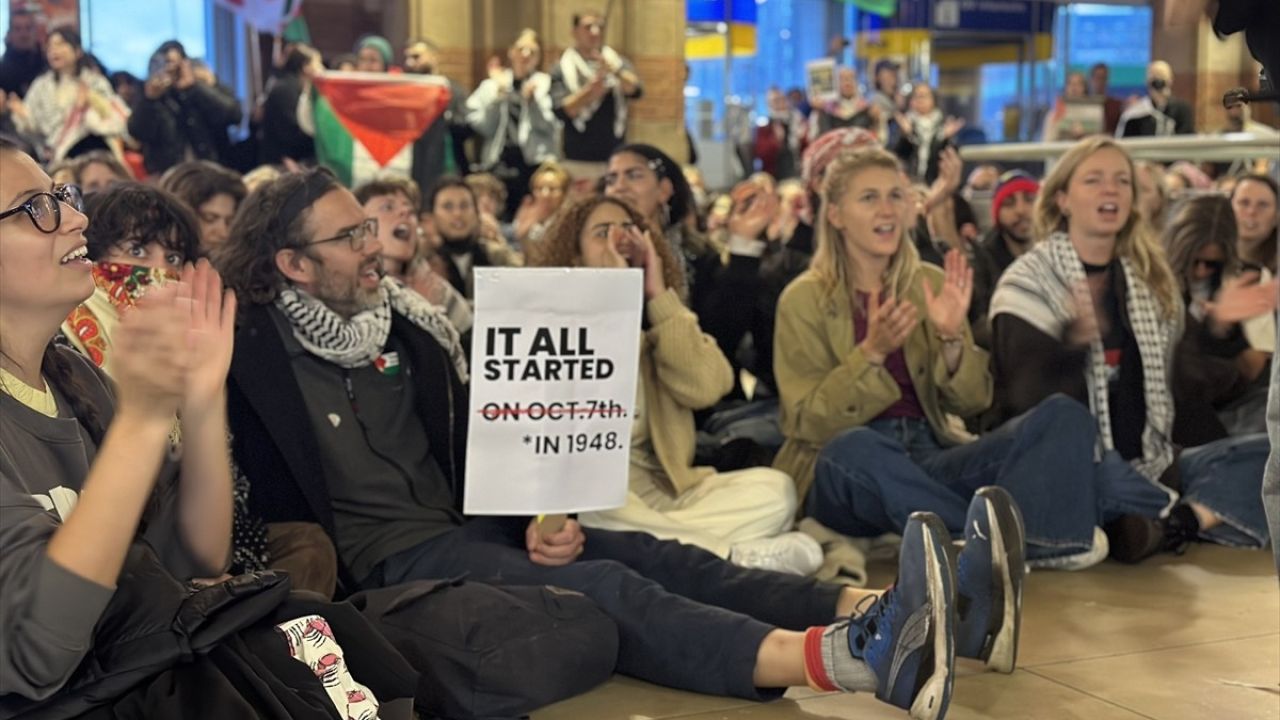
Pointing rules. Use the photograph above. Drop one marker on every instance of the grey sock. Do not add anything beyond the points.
(851, 674)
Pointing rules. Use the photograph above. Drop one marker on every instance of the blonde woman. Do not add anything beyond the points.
(1094, 311)
(872, 353)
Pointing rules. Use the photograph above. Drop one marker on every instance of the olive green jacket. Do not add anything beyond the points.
(827, 386)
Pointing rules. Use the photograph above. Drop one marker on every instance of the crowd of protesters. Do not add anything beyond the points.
(246, 378)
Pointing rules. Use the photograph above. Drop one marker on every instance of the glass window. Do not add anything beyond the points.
(112, 31)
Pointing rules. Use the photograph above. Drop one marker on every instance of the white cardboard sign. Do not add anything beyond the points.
(554, 359)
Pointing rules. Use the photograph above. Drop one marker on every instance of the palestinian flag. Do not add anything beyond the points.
(269, 16)
(374, 113)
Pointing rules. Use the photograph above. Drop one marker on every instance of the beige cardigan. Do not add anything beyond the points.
(827, 386)
(682, 370)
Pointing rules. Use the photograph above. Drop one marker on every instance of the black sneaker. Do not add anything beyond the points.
(1135, 538)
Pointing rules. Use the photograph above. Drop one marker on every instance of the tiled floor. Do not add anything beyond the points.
(1196, 637)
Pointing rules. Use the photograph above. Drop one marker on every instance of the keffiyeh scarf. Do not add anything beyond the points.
(1037, 289)
(360, 340)
(578, 72)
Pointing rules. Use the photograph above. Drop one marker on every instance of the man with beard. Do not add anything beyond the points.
(347, 403)
(1012, 209)
(456, 217)
(442, 148)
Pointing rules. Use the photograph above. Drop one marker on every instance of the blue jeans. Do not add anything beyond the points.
(1224, 476)
(686, 619)
(870, 479)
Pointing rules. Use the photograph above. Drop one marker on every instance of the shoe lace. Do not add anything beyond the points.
(868, 615)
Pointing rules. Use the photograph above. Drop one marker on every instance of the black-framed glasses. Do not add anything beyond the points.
(1210, 265)
(45, 208)
(357, 236)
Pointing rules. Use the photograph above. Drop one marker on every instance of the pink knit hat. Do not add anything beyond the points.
(828, 147)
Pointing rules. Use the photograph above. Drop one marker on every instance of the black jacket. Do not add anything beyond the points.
(275, 445)
(197, 117)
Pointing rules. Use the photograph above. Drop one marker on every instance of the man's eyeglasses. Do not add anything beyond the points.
(357, 236)
(1210, 265)
(45, 208)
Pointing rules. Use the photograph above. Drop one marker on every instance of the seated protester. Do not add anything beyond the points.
(393, 202)
(1010, 236)
(139, 240)
(511, 111)
(178, 117)
(456, 217)
(547, 192)
(874, 358)
(654, 184)
(70, 109)
(1093, 311)
(741, 516)
(378, 458)
(491, 201)
(1211, 372)
(212, 192)
(1256, 201)
(103, 526)
(98, 169)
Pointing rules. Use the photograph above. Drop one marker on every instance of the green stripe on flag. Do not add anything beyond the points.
(335, 148)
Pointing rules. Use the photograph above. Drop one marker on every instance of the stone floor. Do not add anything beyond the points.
(1195, 637)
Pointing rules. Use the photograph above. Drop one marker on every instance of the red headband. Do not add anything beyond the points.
(1007, 189)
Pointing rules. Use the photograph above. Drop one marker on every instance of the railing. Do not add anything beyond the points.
(1196, 148)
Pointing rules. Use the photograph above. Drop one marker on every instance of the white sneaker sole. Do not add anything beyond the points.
(932, 700)
(1004, 646)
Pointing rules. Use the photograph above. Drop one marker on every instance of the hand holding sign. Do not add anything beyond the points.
(554, 549)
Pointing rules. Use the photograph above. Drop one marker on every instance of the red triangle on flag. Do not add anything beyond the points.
(384, 112)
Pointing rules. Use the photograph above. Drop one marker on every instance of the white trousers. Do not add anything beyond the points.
(716, 513)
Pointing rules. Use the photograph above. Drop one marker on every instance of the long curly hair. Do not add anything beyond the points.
(561, 246)
(1135, 242)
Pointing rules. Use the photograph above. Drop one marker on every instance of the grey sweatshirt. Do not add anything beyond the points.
(47, 613)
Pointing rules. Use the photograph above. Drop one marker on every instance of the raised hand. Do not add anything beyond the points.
(151, 364)
(753, 208)
(889, 324)
(952, 126)
(637, 248)
(1242, 298)
(949, 308)
(210, 336)
(1085, 329)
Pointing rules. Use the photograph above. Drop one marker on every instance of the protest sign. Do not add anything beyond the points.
(820, 75)
(554, 358)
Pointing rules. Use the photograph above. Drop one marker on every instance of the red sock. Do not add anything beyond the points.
(814, 670)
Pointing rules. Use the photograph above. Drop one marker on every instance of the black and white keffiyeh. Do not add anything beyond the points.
(577, 72)
(1038, 289)
(359, 341)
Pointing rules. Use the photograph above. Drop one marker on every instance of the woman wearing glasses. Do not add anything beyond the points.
(1218, 388)
(104, 526)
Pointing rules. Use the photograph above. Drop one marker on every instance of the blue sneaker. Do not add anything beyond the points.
(989, 575)
(906, 638)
